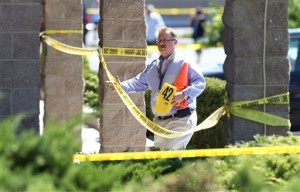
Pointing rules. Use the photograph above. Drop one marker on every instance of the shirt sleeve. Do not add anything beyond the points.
(138, 83)
(197, 83)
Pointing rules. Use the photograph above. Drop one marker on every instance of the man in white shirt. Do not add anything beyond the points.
(154, 21)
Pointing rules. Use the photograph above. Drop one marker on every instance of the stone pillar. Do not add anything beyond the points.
(244, 45)
(19, 60)
(62, 72)
(121, 25)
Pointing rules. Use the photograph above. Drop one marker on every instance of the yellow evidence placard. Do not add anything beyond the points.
(164, 99)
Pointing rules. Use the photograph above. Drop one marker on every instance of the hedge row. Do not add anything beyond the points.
(30, 162)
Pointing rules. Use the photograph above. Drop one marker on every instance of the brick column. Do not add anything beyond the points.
(62, 72)
(244, 43)
(19, 60)
(122, 25)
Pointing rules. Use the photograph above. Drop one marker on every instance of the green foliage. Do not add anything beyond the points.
(137, 170)
(247, 179)
(90, 177)
(293, 13)
(194, 176)
(214, 29)
(27, 157)
(91, 95)
(210, 100)
(261, 172)
(191, 177)
(30, 162)
(147, 96)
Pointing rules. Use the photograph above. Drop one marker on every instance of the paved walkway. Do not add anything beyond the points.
(90, 136)
(91, 141)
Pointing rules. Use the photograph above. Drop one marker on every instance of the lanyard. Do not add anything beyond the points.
(162, 75)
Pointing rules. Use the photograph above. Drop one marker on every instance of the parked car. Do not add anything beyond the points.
(294, 87)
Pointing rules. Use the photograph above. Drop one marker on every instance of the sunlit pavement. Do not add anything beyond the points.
(90, 137)
(91, 140)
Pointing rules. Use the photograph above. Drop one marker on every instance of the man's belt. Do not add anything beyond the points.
(180, 114)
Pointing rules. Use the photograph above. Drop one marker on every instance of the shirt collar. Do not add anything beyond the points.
(170, 56)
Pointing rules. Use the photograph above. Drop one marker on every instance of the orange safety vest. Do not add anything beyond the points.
(182, 82)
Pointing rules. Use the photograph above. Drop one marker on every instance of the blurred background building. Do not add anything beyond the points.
(176, 14)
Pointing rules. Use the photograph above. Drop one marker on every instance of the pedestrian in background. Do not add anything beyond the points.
(155, 76)
(196, 22)
(91, 20)
(154, 21)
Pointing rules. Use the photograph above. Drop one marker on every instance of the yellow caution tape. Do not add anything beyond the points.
(260, 117)
(168, 11)
(153, 48)
(68, 49)
(189, 46)
(276, 99)
(147, 123)
(186, 153)
(53, 31)
(185, 11)
(92, 11)
(236, 108)
(176, 11)
(131, 52)
(212, 120)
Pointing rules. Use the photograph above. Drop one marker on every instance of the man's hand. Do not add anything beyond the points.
(178, 98)
(111, 85)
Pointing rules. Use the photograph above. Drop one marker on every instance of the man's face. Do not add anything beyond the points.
(166, 44)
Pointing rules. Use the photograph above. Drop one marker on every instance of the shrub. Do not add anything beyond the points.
(28, 158)
(210, 100)
(30, 162)
(149, 113)
(293, 14)
(91, 82)
(261, 172)
(196, 176)
(214, 28)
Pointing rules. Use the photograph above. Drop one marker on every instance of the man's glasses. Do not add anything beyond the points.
(164, 41)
